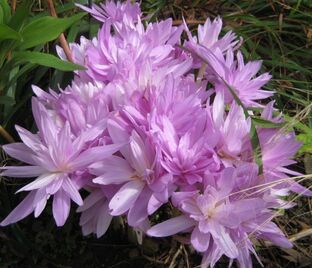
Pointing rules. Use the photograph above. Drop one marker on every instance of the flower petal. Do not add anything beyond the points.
(114, 177)
(124, 199)
(104, 220)
(199, 240)
(40, 182)
(60, 207)
(20, 151)
(40, 202)
(29, 139)
(21, 211)
(22, 171)
(172, 226)
(95, 154)
(223, 240)
(72, 191)
(91, 200)
(138, 212)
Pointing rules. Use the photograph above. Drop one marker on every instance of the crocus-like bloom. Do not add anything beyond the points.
(54, 157)
(233, 130)
(208, 36)
(222, 219)
(95, 217)
(189, 156)
(122, 54)
(143, 181)
(278, 147)
(114, 11)
(224, 72)
(152, 120)
(83, 105)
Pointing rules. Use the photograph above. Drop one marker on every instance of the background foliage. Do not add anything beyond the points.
(279, 32)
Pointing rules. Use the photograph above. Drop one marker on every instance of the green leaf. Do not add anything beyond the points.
(306, 139)
(21, 15)
(5, 11)
(7, 100)
(1, 15)
(42, 30)
(45, 60)
(298, 125)
(266, 123)
(8, 33)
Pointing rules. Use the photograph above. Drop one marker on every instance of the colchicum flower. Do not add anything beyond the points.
(56, 158)
(153, 120)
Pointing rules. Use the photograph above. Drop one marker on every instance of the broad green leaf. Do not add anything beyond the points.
(45, 29)
(21, 15)
(266, 123)
(5, 11)
(1, 15)
(8, 33)
(64, 7)
(7, 100)
(45, 60)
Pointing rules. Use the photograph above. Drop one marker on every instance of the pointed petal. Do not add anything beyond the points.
(91, 199)
(41, 94)
(88, 228)
(172, 226)
(211, 256)
(138, 212)
(223, 240)
(40, 182)
(20, 151)
(113, 178)
(60, 207)
(72, 191)
(22, 171)
(199, 240)
(153, 205)
(29, 139)
(40, 202)
(139, 157)
(218, 109)
(95, 154)
(21, 211)
(91, 215)
(55, 185)
(299, 189)
(104, 221)
(110, 164)
(124, 199)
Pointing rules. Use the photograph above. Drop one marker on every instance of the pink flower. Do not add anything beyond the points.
(123, 54)
(142, 127)
(55, 156)
(187, 157)
(221, 218)
(224, 71)
(95, 217)
(78, 52)
(278, 147)
(114, 11)
(233, 131)
(208, 36)
(84, 105)
(144, 185)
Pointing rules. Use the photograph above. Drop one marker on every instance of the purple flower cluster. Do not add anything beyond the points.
(152, 121)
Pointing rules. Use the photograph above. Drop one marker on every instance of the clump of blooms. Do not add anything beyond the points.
(155, 120)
